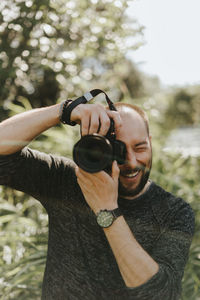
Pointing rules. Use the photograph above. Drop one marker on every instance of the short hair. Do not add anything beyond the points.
(136, 108)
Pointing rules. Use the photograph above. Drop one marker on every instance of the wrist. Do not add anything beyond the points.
(63, 115)
(105, 218)
(96, 210)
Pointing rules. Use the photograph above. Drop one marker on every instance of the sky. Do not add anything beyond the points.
(172, 36)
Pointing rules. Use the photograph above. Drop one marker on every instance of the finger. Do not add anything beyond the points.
(115, 171)
(93, 178)
(85, 124)
(85, 184)
(85, 176)
(105, 123)
(116, 118)
(82, 175)
(94, 123)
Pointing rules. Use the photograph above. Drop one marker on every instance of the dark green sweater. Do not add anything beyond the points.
(80, 263)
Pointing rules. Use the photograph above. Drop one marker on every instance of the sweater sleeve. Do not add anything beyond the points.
(40, 175)
(171, 253)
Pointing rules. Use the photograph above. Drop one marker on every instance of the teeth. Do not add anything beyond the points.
(131, 174)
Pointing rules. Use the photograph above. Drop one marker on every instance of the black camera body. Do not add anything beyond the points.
(95, 152)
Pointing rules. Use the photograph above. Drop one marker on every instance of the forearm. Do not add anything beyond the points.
(135, 264)
(19, 130)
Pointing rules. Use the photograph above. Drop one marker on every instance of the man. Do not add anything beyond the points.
(142, 253)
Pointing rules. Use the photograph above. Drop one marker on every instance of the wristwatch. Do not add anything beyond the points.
(105, 217)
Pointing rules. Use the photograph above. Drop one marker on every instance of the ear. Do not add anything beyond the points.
(150, 140)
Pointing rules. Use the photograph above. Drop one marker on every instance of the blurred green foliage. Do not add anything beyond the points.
(52, 50)
(58, 49)
(183, 106)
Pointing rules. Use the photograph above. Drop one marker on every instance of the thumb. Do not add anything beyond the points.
(115, 171)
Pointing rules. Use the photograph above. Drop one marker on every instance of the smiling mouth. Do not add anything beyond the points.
(131, 175)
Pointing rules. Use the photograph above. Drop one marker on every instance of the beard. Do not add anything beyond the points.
(132, 192)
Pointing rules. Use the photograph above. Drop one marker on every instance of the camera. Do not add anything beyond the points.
(95, 152)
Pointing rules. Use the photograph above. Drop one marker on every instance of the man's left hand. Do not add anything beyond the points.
(99, 189)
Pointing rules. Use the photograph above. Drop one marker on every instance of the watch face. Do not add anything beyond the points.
(105, 218)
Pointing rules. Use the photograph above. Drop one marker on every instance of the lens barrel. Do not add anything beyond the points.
(93, 153)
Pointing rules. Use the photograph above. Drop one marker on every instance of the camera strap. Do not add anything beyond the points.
(66, 113)
(96, 92)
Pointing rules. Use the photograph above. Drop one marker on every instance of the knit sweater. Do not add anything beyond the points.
(80, 263)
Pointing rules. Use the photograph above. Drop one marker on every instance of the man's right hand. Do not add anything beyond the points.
(94, 118)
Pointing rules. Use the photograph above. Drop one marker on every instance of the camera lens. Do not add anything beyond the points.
(93, 153)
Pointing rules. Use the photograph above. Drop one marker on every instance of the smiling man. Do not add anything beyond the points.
(134, 174)
(111, 236)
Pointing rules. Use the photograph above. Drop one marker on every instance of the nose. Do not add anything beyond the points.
(131, 159)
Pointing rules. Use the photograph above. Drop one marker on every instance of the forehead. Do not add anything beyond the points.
(133, 125)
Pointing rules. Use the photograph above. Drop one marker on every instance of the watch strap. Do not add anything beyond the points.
(116, 212)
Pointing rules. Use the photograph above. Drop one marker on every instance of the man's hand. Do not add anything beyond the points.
(94, 118)
(99, 189)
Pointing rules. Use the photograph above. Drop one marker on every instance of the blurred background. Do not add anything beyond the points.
(142, 52)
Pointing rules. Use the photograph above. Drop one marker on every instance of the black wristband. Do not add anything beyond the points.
(62, 114)
(70, 107)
